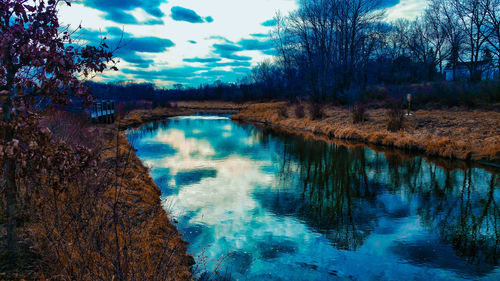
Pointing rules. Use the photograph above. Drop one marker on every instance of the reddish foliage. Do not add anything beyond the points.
(39, 65)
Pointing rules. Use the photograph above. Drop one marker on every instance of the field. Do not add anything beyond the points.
(452, 133)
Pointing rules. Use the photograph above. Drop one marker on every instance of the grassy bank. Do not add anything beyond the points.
(99, 219)
(452, 133)
(138, 117)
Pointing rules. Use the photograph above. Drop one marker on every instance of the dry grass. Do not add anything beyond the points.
(140, 116)
(447, 133)
(147, 237)
(74, 233)
(155, 235)
(212, 106)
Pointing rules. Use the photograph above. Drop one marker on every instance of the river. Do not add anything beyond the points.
(259, 204)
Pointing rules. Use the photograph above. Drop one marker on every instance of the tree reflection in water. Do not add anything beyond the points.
(342, 194)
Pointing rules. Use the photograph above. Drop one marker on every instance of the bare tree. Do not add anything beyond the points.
(472, 16)
(449, 22)
(437, 35)
(328, 42)
(492, 29)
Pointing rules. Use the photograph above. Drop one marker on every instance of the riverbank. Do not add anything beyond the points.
(454, 134)
(104, 220)
(137, 117)
(157, 247)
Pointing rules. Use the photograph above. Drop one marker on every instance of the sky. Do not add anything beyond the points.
(189, 42)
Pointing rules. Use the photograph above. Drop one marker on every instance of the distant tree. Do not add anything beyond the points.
(39, 64)
(325, 43)
(437, 35)
(493, 28)
(178, 86)
(471, 15)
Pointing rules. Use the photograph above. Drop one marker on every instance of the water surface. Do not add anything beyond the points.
(255, 204)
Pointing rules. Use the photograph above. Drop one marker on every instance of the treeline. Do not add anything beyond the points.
(331, 49)
(345, 51)
(425, 95)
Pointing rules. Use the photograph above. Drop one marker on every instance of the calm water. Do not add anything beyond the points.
(263, 205)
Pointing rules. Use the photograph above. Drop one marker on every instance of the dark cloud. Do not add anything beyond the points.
(216, 73)
(221, 38)
(260, 35)
(116, 10)
(135, 59)
(389, 3)
(183, 14)
(167, 73)
(270, 52)
(128, 45)
(192, 41)
(228, 51)
(147, 44)
(188, 74)
(271, 22)
(226, 76)
(241, 69)
(227, 48)
(115, 31)
(253, 44)
(202, 60)
(232, 63)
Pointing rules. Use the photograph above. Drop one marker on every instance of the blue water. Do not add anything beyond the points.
(256, 204)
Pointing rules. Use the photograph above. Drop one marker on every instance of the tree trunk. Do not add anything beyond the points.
(11, 210)
(498, 74)
(10, 177)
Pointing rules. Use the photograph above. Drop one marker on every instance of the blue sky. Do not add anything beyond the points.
(189, 41)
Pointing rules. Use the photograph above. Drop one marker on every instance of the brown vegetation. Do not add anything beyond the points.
(90, 210)
(359, 114)
(140, 116)
(395, 117)
(450, 133)
(212, 106)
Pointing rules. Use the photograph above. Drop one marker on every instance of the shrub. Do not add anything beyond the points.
(299, 111)
(359, 113)
(316, 111)
(283, 111)
(395, 116)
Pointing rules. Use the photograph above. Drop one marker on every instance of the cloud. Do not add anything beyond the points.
(241, 69)
(260, 35)
(253, 44)
(224, 64)
(135, 59)
(270, 52)
(216, 73)
(202, 60)
(268, 23)
(147, 44)
(129, 46)
(183, 14)
(168, 73)
(220, 38)
(192, 41)
(408, 9)
(118, 10)
(389, 3)
(228, 51)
